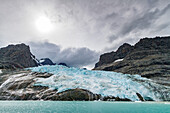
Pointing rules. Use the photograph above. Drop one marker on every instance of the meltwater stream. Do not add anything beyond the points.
(100, 82)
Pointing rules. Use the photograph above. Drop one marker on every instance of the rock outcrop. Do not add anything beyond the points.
(150, 58)
(107, 58)
(16, 56)
(75, 94)
(63, 64)
(45, 61)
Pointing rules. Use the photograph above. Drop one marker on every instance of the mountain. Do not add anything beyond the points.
(16, 56)
(150, 57)
(45, 61)
(63, 64)
(57, 82)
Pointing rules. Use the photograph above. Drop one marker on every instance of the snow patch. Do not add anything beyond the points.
(41, 61)
(35, 59)
(118, 60)
(14, 78)
(0, 71)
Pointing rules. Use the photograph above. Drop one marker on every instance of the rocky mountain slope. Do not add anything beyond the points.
(16, 56)
(150, 57)
(19, 56)
(19, 85)
(59, 82)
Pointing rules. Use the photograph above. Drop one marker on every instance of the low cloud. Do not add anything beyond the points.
(78, 57)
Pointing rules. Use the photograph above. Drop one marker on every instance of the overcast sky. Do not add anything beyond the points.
(78, 31)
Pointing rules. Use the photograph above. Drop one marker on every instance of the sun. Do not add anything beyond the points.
(44, 24)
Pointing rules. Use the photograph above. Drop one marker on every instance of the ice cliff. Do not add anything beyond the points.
(99, 82)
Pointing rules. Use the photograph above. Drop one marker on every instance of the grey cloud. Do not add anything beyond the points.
(44, 49)
(143, 22)
(77, 57)
(161, 27)
(140, 20)
(112, 38)
(111, 16)
(94, 24)
(140, 23)
(118, 43)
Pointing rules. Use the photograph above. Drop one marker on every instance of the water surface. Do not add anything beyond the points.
(83, 107)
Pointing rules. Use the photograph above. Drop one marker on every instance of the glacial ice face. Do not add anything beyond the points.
(100, 82)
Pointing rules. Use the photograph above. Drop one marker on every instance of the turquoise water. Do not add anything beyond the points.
(82, 107)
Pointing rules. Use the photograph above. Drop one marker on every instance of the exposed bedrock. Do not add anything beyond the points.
(150, 58)
(16, 56)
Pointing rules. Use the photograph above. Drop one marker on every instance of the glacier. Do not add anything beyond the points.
(99, 82)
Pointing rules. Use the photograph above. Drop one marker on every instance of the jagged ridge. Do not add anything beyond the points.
(16, 56)
(150, 57)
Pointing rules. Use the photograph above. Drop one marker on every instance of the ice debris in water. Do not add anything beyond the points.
(100, 82)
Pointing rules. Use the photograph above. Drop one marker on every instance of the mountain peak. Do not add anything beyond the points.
(149, 57)
(16, 56)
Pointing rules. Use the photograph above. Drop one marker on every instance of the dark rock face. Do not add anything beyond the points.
(16, 56)
(64, 64)
(46, 61)
(112, 56)
(150, 57)
(19, 85)
(140, 97)
(75, 94)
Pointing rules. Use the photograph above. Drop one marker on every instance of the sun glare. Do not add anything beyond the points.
(44, 24)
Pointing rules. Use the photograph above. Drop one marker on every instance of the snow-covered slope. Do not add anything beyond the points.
(99, 82)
